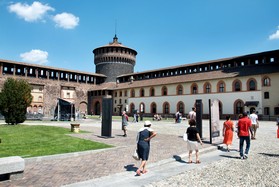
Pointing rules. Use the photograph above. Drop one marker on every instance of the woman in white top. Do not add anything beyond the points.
(255, 124)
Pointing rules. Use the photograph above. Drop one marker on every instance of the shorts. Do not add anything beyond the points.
(255, 126)
(192, 145)
(124, 127)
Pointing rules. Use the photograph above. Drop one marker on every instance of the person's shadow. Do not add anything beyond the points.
(269, 154)
(178, 159)
(131, 167)
(229, 156)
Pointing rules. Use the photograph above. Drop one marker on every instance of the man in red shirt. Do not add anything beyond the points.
(244, 126)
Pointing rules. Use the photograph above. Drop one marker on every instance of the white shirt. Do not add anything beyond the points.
(254, 118)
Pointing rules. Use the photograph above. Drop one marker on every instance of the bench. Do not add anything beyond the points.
(11, 168)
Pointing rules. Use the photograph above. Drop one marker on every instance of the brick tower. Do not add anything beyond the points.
(114, 59)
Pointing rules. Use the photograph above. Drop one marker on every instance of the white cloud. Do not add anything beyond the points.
(66, 20)
(275, 35)
(35, 56)
(30, 13)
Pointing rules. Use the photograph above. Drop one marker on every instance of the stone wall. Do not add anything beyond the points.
(52, 91)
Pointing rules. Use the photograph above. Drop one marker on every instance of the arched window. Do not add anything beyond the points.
(152, 91)
(180, 107)
(239, 105)
(221, 87)
(142, 92)
(164, 91)
(132, 108)
(266, 81)
(207, 88)
(251, 84)
(179, 90)
(236, 85)
(132, 93)
(153, 108)
(166, 108)
(194, 88)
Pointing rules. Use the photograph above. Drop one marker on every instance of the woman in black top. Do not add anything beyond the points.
(193, 138)
(143, 145)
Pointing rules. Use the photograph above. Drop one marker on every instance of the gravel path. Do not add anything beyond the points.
(260, 169)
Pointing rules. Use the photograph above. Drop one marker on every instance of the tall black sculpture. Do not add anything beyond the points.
(199, 115)
(106, 116)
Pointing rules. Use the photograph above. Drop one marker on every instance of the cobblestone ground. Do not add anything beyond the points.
(260, 169)
(64, 170)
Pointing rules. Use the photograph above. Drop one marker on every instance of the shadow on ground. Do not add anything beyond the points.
(269, 154)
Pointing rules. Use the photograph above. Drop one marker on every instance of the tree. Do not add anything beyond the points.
(15, 97)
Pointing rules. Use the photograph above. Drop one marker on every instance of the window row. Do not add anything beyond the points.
(238, 107)
(207, 88)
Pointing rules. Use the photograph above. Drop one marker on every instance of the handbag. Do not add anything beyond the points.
(136, 155)
(185, 137)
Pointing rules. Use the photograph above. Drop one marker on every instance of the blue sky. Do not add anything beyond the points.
(165, 33)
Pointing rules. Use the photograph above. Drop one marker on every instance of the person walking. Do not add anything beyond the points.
(144, 136)
(125, 120)
(192, 114)
(228, 130)
(255, 123)
(193, 138)
(244, 126)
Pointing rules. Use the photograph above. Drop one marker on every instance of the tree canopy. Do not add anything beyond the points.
(15, 97)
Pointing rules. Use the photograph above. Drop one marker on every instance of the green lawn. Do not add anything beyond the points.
(31, 141)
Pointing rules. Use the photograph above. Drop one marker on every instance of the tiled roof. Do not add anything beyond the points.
(177, 79)
(204, 76)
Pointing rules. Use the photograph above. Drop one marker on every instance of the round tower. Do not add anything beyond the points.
(114, 59)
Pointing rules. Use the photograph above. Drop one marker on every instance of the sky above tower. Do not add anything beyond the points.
(167, 33)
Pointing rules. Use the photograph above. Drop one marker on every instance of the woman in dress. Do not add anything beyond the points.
(145, 134)
(193, 138)
(228, 132)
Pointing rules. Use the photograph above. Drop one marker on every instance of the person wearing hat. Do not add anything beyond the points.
(144, 136)
(244, 126)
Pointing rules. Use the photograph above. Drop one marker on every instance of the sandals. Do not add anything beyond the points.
(190, 162)
(144, 171)
(138, 172)
(198, 162)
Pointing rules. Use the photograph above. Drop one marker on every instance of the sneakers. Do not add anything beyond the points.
(244, 157)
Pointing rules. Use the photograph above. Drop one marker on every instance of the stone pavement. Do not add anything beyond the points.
(77, 168)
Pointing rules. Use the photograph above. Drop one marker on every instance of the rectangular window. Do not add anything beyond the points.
(266, 95)
(266, 110)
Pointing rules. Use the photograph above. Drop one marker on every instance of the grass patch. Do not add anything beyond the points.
(31, 141)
